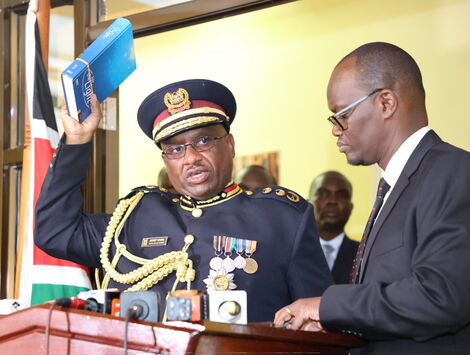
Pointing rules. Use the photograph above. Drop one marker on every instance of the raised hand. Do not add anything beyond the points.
(79, 133)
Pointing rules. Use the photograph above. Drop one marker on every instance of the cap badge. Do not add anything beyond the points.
(177, 101)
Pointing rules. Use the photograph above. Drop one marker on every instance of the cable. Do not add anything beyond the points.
(48, 327)
(133, 312)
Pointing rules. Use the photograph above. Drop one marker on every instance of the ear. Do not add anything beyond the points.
(231, 144)
(388, 103)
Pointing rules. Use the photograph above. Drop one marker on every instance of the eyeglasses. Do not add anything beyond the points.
(200, 144)
(335, 119)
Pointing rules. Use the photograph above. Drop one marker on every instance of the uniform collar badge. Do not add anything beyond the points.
(195, 206)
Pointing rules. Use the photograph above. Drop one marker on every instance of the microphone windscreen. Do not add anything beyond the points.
(63, 302)
(70, 302)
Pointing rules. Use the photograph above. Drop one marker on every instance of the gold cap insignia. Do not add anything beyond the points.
(177, 101)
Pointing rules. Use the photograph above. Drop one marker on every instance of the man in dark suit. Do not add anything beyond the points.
(330, 194)
(209, 234)
(411, 282)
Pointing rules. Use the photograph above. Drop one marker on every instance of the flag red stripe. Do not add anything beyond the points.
(41, 258)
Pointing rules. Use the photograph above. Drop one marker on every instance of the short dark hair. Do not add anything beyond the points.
(314, 183)
(381, 65)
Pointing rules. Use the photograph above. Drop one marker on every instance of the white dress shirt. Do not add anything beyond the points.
(334, 244)
(398, 161)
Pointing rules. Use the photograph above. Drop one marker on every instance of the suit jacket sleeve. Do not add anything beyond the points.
(432, 299)
(308, 274)
(62, 230)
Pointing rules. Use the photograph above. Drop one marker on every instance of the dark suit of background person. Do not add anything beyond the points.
(190, 121)
(412, 292)
(330, 194)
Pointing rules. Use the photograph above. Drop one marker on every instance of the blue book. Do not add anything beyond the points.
(100, 69)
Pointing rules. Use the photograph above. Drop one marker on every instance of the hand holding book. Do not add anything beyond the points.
(80, 133)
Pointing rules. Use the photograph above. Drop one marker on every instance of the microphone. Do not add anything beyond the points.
(135, 312)
(99, 301)
(140, 305)
(70, 302)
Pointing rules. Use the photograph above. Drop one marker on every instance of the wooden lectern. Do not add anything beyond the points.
(70, 331)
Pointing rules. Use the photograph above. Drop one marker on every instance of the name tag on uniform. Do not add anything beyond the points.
(154, 242)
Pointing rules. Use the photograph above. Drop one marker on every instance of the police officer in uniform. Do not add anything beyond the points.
(211, 234)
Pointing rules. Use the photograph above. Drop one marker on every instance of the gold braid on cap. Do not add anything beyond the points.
(152, 270)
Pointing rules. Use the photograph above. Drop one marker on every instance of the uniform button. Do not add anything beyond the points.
(189, 239)
(197, 212)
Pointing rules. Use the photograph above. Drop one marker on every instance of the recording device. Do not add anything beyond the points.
(187, 305)
(228, 306)
(99, 301)
(140, 305)
(217, 306)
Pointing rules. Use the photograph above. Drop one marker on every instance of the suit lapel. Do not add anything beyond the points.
(338, 265)
(342, 266)
(428, 141)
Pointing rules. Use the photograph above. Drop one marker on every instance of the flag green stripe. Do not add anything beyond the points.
(46, 292)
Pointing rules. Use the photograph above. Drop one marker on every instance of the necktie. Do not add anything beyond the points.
(381, 192)
(328, 251)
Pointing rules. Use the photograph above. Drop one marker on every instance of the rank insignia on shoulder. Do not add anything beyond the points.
(154, 242)
(280, 194)
(267, 190)
(293, 196)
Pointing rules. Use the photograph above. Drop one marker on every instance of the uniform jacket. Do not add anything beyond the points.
(343, 262)
(282, 223)
(413, 296)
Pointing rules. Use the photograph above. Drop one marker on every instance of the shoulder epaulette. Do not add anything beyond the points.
(147, 189)
(280, 194)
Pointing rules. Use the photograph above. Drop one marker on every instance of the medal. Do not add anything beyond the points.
(220, 283)
(216, 261)
(228, 263)
(251, 265)
(240, 261)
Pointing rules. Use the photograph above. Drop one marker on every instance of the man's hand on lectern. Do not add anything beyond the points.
(303, 314)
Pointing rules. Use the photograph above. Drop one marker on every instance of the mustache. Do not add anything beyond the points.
(194, 169)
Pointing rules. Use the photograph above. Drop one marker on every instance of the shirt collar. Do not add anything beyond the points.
(400, 157)
(335, 242)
